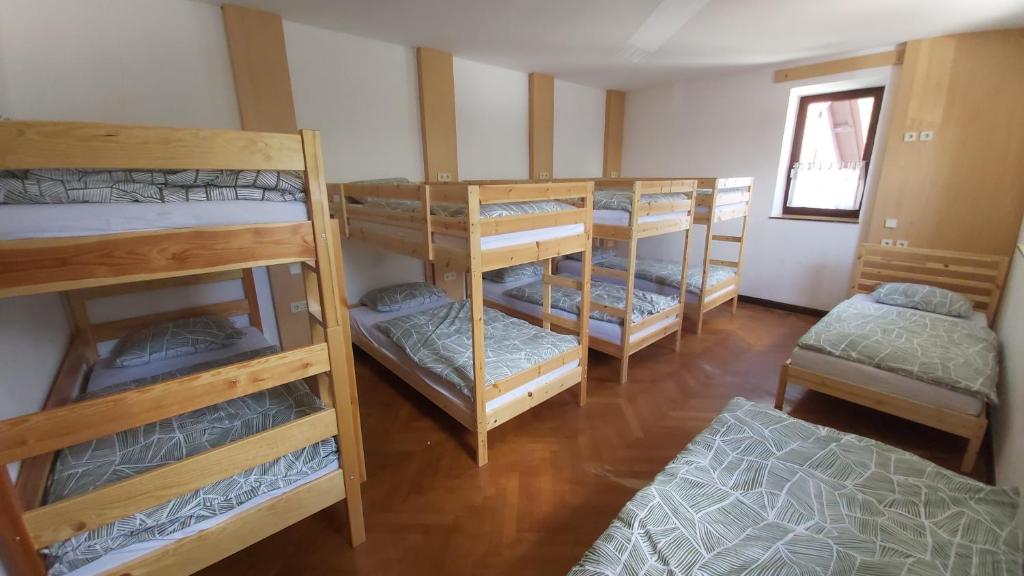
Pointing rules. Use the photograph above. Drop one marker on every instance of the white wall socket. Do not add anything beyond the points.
(449, 276)
(299, 306)
(910, 136)
(886, 241)
(444, 177)
(890, 222)
(615, 174)
(902, 243)
(927, 135)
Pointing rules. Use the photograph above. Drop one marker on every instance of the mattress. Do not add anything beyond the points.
(574, 268)
(759, 492)
(62, 220)
(621, 217)
(492, 242)
(606, 331)
(363, 321)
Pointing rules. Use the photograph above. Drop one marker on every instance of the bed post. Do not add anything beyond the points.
(706, 264)
(780, 392)
(585, 273)
(338, 348)
(249, 287)
(17, 552)
(627, 318)
(743, 241)
(476, 298)
(974, 442)
(686, 264)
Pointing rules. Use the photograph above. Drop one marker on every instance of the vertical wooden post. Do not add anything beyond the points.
(83, 328)
(259, 63)
(476, 295)
(614, 117)
(542, 131)
(547, 270)
(686, 265)
(706, 265)
(249, 287)
(17, 552)
(743, 240)
(627, 321)
(584, 315)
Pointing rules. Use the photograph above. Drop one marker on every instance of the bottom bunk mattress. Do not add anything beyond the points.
(368, 330)
(759, 492)
(658, 276)
(602, 329)
(91, 465)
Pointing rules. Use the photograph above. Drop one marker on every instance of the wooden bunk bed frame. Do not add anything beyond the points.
(412, 234)
(93, 266)
(729, 289)
(980, 277)
(629, 234)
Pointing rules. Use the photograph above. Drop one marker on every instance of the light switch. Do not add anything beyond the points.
(890, 222)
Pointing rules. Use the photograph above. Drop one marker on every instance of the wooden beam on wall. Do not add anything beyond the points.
(437, 114)
(614, 116)
(877, 60)
(259, 62)
(542, 126)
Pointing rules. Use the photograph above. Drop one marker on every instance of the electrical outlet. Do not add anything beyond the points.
(449, 276)
(910, 136)
(444, 177)
(890, 222)
(927, 135)
(545, 176)
(886, 241)
(299, 306)
(902, 243)
(615, 174)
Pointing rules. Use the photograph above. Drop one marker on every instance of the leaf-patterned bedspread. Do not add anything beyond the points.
(459, 210)
(760, 493)
(568, 299)
(90, 465)
(441, 340)
(667, 273)
(618, 199)
(950, 352)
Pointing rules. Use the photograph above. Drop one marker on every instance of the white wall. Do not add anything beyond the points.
(733, 125)
(363, 97)
(1008, 420)
(492, 109)
(579, 131)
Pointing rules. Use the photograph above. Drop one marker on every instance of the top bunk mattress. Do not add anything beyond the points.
(18, 221)
(760, 492)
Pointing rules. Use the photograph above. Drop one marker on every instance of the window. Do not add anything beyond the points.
(832, 145)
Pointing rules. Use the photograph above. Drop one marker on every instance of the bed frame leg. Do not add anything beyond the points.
(581, 391)
(780, 392)
(624, 369)
(679, 337)
(974, 446)
(735, 303)
(17, 553)
(700, 322)
(481, 447)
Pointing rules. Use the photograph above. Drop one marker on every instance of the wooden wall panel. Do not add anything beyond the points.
(542, 126)
(259, 62)
(876, 60)
(614, 115)
(437, 114)
(964, 190)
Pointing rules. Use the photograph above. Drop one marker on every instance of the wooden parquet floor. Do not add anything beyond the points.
(559, 473)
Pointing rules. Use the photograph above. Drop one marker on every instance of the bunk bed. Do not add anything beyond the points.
(625, 211)
(473, 229)
(167, 463)
(936, 369)
(760, 492)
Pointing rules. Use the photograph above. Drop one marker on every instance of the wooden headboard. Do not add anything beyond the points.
(980, 277)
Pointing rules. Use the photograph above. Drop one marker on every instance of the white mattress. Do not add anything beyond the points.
(606, 331)
(621, 217)
(896, 384)
(575, 267)
(364, 319)
(59, 220)
(492, 242)
(104, 374)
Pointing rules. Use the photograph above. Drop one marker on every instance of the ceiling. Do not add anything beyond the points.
(585, 41)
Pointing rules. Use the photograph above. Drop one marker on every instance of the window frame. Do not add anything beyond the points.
(878, 93)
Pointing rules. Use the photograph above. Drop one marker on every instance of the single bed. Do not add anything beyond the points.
(759, 493)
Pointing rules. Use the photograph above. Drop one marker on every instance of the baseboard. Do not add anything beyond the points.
(783, 306)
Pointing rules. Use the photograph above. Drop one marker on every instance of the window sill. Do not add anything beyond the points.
(816, 218)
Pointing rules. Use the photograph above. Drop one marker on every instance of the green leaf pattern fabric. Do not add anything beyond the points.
(569, 300)
(91, 465)
(514, 273)
(759, 493)
(402, 296)
(597, 255)
(622, 200)
(950, 352)
(459, 210)
(441, 340)
(668, 273)
(64, 186)
(925, 298)
(175, 339)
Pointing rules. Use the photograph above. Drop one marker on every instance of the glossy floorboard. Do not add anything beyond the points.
(559, 473)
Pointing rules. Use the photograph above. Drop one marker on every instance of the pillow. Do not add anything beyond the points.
(926, 298)
(596, 255)
(402, 296)
(175, 339)
(514, 273)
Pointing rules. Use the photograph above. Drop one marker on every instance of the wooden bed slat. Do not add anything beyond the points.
(532, 373)
(27, 145)
(43, 432)
(56, 264)
(494, 194)
(93, 509)
(150, 285)
(507, 224)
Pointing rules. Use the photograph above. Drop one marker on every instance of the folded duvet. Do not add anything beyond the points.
(568, 299)
(441, 340)
(759, 493)
(950, 352)
(103, 461)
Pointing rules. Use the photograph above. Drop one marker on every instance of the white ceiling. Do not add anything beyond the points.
(585, 41)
